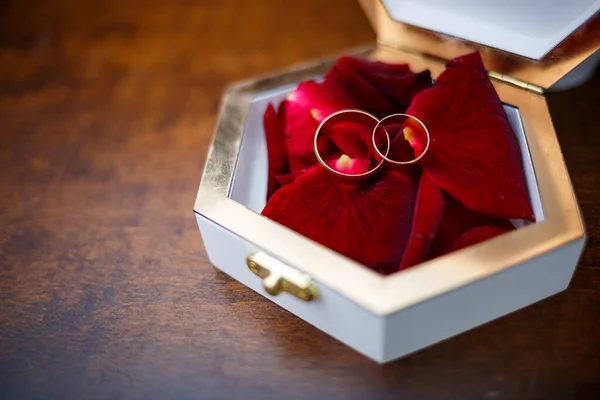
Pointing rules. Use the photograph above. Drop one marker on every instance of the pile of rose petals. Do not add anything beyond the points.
(464, 190)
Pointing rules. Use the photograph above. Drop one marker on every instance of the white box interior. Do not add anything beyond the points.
(530, 28)
(249, 186)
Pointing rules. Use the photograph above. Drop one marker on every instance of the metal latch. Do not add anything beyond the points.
(279, 277)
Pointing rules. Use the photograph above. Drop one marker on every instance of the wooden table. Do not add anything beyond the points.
(106, 112)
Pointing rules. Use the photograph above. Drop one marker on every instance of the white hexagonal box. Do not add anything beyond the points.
(386, 317)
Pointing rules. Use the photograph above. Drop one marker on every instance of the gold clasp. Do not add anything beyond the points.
(278, 277)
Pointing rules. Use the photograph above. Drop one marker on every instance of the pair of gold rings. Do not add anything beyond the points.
(361, 117)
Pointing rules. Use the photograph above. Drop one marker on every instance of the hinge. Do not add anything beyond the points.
(516, 82)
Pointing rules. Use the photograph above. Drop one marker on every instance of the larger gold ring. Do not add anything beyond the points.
(383, 157)
(349, 115)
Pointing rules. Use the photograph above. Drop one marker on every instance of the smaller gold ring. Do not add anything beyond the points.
(383, 157)
(360, 117)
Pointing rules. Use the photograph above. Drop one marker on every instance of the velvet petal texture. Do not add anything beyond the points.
(429, 209)
(458, 220)
(396, 81)
(301, 113)
(299, 129)
(352, 138)
(400, 150)
(375, 87)
(477, 235)
(378, 88)
(366, 67)
(474, 154)
(369, 224)
(350, 166)
(286, 179)
(344, 80)
(276, 149)
(311, 96)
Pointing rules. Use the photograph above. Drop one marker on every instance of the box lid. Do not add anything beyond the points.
(535, 41)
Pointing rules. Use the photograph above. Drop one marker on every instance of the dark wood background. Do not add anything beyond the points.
(106, 112)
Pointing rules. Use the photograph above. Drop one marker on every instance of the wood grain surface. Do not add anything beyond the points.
(106, 112)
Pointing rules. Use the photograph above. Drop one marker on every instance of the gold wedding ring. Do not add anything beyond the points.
(361, 117)
(349, 115)
(403, 117)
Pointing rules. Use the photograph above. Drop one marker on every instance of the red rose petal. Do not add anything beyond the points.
(404, 89)
(456, 221)
(299, 129)
(369, 224)
(286, 179)
(276, 149)
(414, 134)
(397, 81)
(320, 104)
(477, 235)
(474, 154)
(400, 150)
(307, 96)
(429, 209)
(349, 165)
(302, 112)
(336, 91)
(370, 98)
(351, 84)
(352, 138)
(394, 81)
